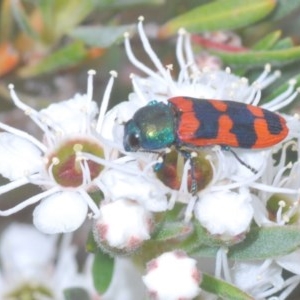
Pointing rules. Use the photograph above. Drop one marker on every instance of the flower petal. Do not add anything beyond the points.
(19, 157)
(71, 115)
(61, 212)
(149, 193)
(225, 213)
(290, 262)
(112, 127)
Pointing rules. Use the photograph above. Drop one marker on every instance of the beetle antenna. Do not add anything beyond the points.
(253, 170)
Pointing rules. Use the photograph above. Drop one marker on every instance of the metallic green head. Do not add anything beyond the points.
(151, 128)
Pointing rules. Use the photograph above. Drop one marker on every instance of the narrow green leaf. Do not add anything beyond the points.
(22, 19)
(125, 3)
(102, 271)
(173, 230)
(79, 10)
(268, 41)
(284, 8)
(223, 289)
(267, 242)
(47, 8)
(201, 243)
(62, 16)
(205, 238)
(91, 245)
(284, 44)
(221, 14)
(205, 251)
(260, 58)
(100, 36)
(76, 294)
(6, 21)
(65, 57)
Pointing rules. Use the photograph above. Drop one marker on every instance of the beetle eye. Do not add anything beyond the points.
(133, 141)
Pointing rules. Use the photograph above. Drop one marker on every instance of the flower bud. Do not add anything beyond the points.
(171, 276)
(225, 214)
(122, 226)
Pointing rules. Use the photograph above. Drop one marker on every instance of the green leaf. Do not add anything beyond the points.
(284, 44)
(76, 294)
(219, 15)
(91, 245)
(205, 251)
(102, 271)
(268, 41)
(201, 243)
(223, 289)
(267, 242)
(22, 19)
(173, 230)
(205, 238)
(61, 16)
(260, 58)
(100, 36)
(284, 8)
(6, 21)
(125, 3)
(63, 58)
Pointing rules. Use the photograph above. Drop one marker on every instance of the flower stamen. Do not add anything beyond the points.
(284, 98)
(105, 100)
(13, 185)
(137, 63)
(137, 89)
(148, 49)
(290, 284)
(32, 113)
(30, 201)
(24, 135)
(90, 202)
(108, 164)
(222, 264)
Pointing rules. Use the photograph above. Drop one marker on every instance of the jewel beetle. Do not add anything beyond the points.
(189, 123)
(193, 123)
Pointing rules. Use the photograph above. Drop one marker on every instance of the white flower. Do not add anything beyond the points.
(172, 276)
(66, 164)
(122, 224)
(25, 252)
(33, 264)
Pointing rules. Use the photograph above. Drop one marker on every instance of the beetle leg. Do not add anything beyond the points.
(194, 184)
(253, 170)
(191, 157)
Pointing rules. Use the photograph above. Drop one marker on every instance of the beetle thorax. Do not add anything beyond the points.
(151, 128)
